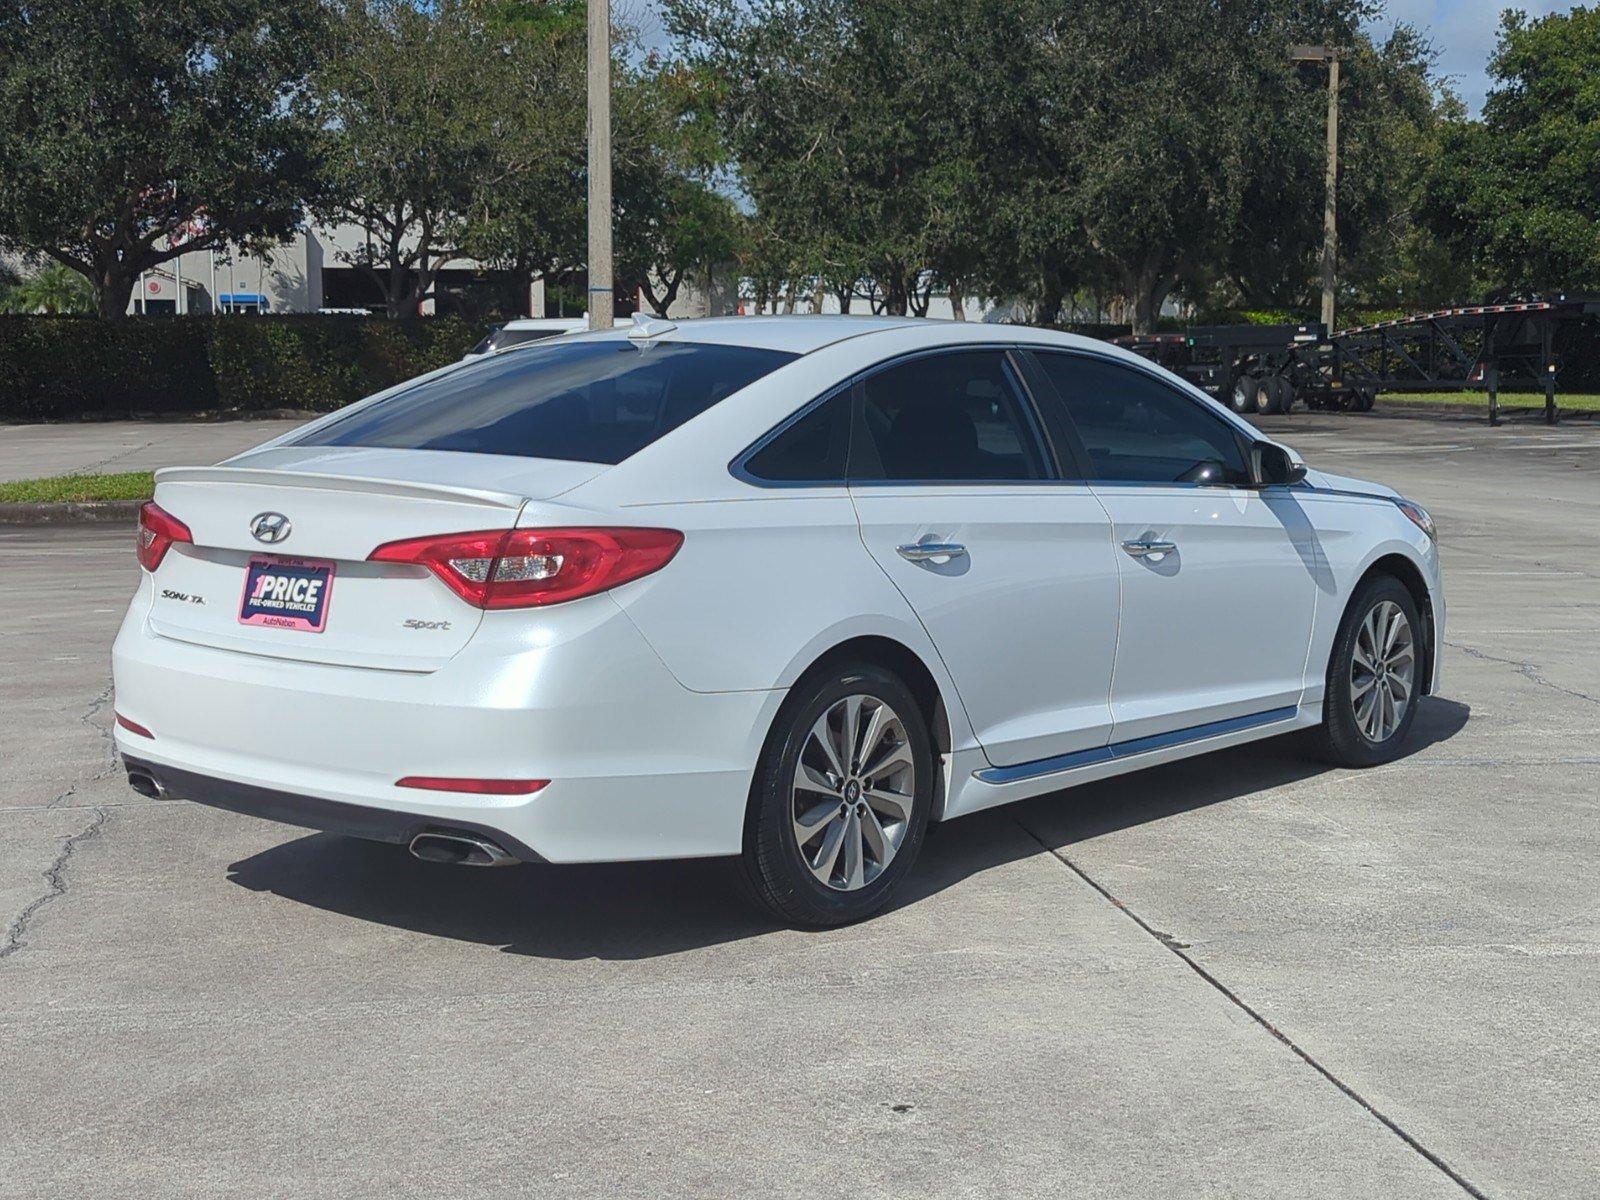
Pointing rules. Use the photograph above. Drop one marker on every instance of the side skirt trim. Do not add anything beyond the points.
(1135, 746)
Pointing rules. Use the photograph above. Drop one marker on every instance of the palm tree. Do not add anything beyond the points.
(52, 289)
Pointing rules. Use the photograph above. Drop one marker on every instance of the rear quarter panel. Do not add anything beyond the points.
(765, 586)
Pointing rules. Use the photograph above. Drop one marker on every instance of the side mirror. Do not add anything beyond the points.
(1273, 465)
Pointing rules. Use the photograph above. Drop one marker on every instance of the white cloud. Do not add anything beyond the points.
(1464, 31)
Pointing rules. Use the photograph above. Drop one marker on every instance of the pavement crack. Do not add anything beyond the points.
(1181, 951)
(1527, 670)
(95, 467)
(109, 744)
(55, 884)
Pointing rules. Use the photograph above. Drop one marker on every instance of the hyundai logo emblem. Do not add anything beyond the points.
(270, 527)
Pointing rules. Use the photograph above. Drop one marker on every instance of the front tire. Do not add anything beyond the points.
(841, 798)
(1374, 677)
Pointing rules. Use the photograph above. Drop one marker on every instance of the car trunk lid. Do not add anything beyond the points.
(339, 506)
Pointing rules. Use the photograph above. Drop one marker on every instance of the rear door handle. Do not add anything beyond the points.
(1152, 548)
(937, 553)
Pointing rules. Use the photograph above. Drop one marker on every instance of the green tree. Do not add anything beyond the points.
(448, 133)
(53, 289)
(532, 220)
(672, 221)
(1517, 194)
(836, 122)
(689, 231)
(1391, 111)
(135, 130)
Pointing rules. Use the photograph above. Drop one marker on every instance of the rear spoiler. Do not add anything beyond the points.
(312, 481)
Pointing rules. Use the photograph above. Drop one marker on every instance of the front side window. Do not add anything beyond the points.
(584, 401)
(941, 418)
(1139, 430)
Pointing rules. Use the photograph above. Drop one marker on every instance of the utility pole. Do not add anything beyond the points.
(1330, 225)
(602, 295)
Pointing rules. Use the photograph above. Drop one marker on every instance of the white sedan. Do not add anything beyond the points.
(786, 589)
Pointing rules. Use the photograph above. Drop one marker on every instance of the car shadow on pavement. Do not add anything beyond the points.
(629, 911)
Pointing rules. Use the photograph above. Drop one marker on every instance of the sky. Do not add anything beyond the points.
(1462, 30)
(1464, 33)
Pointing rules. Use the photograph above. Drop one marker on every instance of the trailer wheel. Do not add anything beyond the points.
(1368, 399)
(1245, 395)
(1277, 394)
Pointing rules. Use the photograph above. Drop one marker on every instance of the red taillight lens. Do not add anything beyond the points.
(525, 568)
(158, 529)
(479, 787)
(134, 727)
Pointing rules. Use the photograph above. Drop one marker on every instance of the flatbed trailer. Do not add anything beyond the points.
(1518, 345)
(1250, 368)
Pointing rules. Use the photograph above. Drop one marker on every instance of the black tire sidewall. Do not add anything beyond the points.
(1252, 397)
(771, 860)
(1346, 742)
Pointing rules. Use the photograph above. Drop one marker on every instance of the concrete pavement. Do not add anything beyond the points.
(94, 447)
(1244, 975)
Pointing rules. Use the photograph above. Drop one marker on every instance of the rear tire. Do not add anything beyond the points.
(1245, 395)
(1374, 677)
(1274, 391)
(841, 798)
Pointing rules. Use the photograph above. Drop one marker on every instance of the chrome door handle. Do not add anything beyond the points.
(1151, 548)
(937, 553)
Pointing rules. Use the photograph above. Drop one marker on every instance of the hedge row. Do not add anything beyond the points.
(55, 368)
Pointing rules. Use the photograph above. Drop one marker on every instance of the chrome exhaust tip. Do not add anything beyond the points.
(145, 784)
(459, 848)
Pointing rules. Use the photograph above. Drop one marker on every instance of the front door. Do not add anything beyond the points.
(1009, 567)
(1219, 578)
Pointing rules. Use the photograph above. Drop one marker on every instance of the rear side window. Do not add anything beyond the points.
(1137, 429)
(947, 418)
(814, 449)
(585, 401)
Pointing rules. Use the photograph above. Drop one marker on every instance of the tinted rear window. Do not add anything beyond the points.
(582, 401)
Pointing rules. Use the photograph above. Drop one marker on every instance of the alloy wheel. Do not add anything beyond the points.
(853, 794)
(1383, 666)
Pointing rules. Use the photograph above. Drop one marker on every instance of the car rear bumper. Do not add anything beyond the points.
(639, 767)
(309, 812)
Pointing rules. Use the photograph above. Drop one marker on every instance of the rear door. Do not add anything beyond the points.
(1008, 564)
(1218, 577)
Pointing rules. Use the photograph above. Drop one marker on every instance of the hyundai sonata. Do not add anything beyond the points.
(784, 589)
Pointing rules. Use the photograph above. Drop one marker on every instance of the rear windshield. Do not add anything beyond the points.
(585, 401)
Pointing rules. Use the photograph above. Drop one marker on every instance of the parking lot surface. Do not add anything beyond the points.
(1241, 975)
(111, 447)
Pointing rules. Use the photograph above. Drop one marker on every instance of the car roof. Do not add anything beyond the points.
(798, 334)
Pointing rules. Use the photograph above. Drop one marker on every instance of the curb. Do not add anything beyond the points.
(72, 512)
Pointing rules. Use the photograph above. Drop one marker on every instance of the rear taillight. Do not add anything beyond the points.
(526, 568)
(478, 787)
(158, 529)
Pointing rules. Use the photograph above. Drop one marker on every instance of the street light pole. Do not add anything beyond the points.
(601, 289)
(1330, 224)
